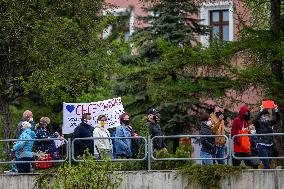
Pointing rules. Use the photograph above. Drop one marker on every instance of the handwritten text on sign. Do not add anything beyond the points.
(72, 113)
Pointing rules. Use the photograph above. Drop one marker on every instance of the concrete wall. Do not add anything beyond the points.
(256, 179)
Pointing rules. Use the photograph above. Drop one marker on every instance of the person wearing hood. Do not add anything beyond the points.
(123, 146)
(264, 125)
(84, 130)
(242, 144)
(102, 147)
(208, 143)
(23, 149)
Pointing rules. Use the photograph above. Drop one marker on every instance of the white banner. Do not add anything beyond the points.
(72, 113)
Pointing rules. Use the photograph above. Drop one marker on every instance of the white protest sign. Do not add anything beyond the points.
(72, 113)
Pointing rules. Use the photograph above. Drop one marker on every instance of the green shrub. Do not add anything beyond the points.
(208, 176)
(89, 174)
(183, 151)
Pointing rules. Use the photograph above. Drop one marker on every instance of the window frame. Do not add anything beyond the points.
(220, 23)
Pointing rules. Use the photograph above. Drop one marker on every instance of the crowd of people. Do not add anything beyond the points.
(126, 145)
(26, 149)
(244, 146)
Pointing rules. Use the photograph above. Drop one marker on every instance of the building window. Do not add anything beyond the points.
(219, 24)
(219, 16)
(125, 24)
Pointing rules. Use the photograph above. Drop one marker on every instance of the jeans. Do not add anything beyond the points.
(220, 153)
(206, 161)
(265, 151)
(24, 167)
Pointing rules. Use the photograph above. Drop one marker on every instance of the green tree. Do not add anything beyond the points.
(45, 49)
(172, 20)
(265, 44)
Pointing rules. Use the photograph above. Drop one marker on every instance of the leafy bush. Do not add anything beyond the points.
(208, 176)
(183, 151)
(89, 174)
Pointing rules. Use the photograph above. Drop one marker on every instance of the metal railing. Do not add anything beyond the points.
(111, 138)
(254, 135)
(37, 161)
(148, 148)
(190, 136)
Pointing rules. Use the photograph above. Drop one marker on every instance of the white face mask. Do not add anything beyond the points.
(89, 122)
(208, 123)
(265, 118)
(31, 119)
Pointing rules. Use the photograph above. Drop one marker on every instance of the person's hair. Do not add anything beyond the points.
(42, 121)
(204, 117)
(85, 115)
(27, 112)
(101, 116)
(45, 120)
(122, 116)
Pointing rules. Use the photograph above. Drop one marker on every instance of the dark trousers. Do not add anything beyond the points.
(24, 167)
(265, 151)
(248, 162)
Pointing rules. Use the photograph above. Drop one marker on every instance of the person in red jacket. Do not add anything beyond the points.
(242, 144)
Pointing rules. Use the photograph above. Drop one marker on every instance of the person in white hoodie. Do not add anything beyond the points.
(102, 147)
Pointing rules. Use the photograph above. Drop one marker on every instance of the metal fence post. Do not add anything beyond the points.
(149, 152)
(70, 151)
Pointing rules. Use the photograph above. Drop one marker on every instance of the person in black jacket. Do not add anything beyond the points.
(155, 129)
(84, 130)
(264, 125)
(208, 143)
(43, 132)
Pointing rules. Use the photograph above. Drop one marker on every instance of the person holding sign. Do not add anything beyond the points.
(103, 147)
(264, 124)
(84, 130)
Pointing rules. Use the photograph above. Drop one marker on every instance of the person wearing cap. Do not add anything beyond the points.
(23, 149)
(264, 125)
(153, 119)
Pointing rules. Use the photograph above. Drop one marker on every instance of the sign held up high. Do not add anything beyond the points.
(72, 113)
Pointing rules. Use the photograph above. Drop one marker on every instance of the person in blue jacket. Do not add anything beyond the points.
(23, 149)
(123, 146)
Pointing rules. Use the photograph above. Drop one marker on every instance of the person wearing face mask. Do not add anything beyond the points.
(123, 146)
(103, 147)
(27, 116)
(84, 130)
(153, 120)
(242, 144)
(218, 128)
(263, 125)
(208, 143)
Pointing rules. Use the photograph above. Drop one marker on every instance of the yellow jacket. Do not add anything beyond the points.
(218, 128)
